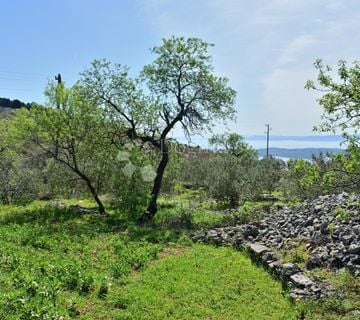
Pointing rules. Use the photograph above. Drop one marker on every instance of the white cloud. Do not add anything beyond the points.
(266, 48)
(296, 48)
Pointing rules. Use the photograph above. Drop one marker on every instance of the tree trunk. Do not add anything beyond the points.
(152, 206)
(95, 195)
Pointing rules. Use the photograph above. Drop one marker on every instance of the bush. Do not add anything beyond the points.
(307, 179)
(226, 178)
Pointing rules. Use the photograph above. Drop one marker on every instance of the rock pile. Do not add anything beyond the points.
(329, 226)
(290, 274)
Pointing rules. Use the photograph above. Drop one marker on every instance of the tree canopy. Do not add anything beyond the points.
(341, 111)
(178, 89)
(233, 144)
(341, 98)
(73, 131)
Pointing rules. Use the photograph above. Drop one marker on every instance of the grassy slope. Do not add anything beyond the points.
(205, 283)
(54, 263)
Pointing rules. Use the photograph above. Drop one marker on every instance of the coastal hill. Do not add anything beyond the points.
(299, 153)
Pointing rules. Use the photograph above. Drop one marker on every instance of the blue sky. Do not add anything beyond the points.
(265, 47)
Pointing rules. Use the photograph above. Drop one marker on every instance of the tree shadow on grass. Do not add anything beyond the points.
(49, 220)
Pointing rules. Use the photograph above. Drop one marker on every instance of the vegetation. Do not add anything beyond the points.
(323, 175)
(340, 104)
(234, 144)
(341, 99)
(106, 140)
(344, 309)
(182, 91)
(56, 263)
(13, 104)
(71, 131)
(205, 283)
(233, 179)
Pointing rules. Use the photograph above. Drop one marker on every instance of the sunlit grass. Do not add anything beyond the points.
(204, 283)
(59, 264)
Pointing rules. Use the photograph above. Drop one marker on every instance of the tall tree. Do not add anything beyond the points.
(179, 90)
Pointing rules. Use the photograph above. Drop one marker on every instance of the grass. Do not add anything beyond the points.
(346, 308)
(56, 264)
(189, 211)
(183, 217)
(296, 253)
(204, 283)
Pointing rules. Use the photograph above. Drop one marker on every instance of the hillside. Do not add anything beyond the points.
(298, 153)
(6, 103)
(8, 107)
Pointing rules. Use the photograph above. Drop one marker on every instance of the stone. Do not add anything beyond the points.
(212, 233)
(315, 289)
(355, 259)
(324, 228)
(301, 280)
(251, 231)
(354, 249)
(288, 269)
(257, 248)
(356, 230)
(268, 256)
(320, 240)
(314, 262)
(331, 242)
(274, 265)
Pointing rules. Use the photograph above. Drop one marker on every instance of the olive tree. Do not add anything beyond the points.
(74, 132)
(177, 90)
(20, 180)
(234, 144)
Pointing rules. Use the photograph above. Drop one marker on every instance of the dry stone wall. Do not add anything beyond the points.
(328, 226)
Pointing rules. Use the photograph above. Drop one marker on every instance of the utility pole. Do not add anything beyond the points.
(267, 139)
(58, 78)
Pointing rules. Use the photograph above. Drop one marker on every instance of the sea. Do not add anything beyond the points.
(288, 142)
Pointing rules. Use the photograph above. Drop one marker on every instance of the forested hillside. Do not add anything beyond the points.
(13, 104)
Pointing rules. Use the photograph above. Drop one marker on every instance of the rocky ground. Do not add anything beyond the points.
(328, 227)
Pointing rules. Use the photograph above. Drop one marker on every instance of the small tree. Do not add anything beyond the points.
(71, 130)
(234, 144)
(270, 171)
(341, 105)
(341, 99)
(20, 181)
(181, 91)
(4, 143)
